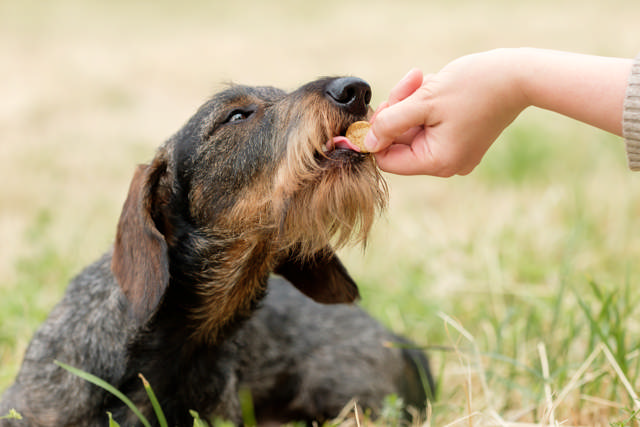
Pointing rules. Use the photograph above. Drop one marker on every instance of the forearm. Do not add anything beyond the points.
(590, 89)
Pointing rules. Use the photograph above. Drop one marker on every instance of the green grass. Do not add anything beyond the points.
(392, 414)
(528, 307)
(25, 302)
(525, 292)
(519, 279)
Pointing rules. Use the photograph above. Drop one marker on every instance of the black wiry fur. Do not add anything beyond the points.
(242, 191)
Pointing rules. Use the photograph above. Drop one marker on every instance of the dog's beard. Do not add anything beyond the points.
(313, 199)
(309, 201)
(324, 198)
(337, 208)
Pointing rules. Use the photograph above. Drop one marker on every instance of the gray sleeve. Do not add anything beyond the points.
(631, 117)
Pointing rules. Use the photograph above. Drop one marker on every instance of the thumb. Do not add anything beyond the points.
(403, 89)
(394, 121)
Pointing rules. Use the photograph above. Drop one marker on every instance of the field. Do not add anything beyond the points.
(519, 279)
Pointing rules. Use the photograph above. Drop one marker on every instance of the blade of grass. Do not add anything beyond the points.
(596, 330)
(481, 373)
(154, 402)
(246, 405)
(12, 415)
(621, 375)
(595, 288)
(112, 422)
(574, 382)
(197, 421)
(106, 386)
(544, 362)
(355, 411)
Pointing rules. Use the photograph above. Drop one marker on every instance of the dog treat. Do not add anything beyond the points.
(356, 134)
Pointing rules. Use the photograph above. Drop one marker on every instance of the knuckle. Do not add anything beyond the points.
(380, 126)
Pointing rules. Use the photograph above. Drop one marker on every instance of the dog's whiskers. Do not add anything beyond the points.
(242, 191)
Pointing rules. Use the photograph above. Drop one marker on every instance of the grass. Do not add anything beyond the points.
(530, 277)
(519, 279)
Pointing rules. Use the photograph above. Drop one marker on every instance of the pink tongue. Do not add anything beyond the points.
(342, 142)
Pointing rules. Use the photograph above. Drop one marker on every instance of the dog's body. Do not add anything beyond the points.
(243, 190)
(304, 361)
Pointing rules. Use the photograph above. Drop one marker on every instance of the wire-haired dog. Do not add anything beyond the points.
(258, 181)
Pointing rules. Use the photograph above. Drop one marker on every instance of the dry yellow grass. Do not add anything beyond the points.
(89, 89)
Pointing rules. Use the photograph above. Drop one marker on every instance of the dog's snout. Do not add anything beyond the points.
(350, 93)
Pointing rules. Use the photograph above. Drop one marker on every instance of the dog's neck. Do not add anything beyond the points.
(218, 281)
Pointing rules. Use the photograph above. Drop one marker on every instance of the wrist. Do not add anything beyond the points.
(509, 68)
(522, 70)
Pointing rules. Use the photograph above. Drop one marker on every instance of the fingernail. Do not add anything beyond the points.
(370, 142)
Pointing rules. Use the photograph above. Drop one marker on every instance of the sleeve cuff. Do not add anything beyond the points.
(631, 117)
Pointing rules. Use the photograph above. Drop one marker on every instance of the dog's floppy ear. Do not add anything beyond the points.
(140, 261)
(321, 277)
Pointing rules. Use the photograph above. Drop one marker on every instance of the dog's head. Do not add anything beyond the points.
(258, 180)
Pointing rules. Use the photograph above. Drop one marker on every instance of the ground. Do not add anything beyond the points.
(512, 277)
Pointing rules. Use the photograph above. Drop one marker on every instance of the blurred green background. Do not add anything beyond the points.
(538, 246)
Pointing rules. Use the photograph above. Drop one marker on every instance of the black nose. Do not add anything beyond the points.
(350, 93)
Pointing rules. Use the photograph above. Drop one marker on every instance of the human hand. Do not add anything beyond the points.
(443, 124)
